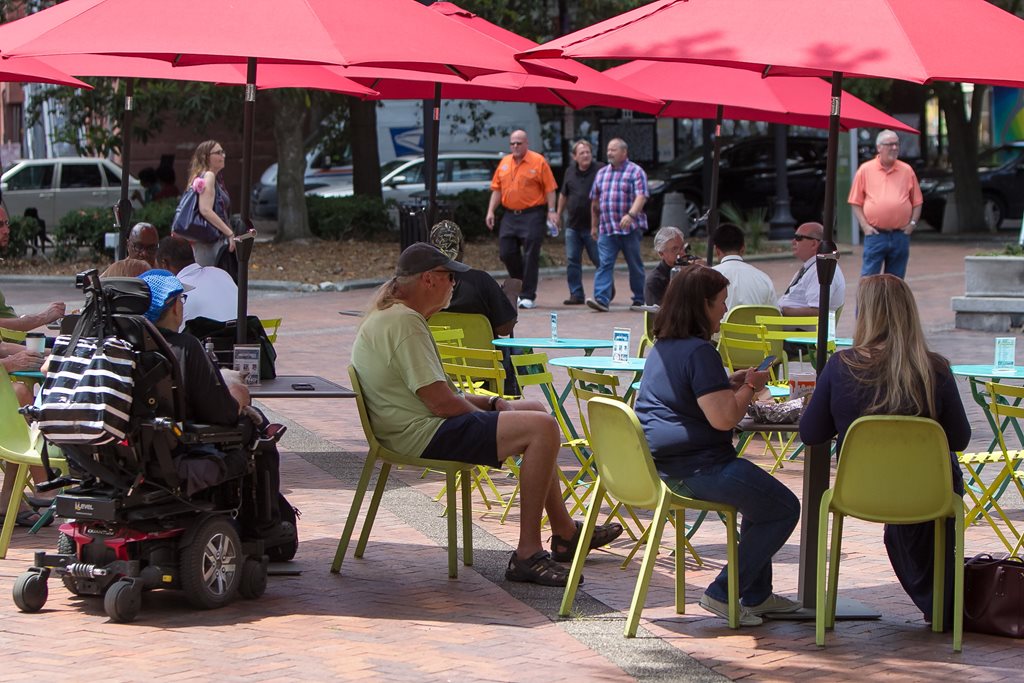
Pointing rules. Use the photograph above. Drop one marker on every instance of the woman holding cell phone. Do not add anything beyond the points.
(688, 407)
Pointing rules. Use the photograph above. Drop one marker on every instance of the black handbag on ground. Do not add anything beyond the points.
(994, 596)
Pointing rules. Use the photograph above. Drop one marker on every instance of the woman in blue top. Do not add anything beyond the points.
(890, 371)
(688, 407)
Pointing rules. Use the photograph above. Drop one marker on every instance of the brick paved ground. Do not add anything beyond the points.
(395, 616)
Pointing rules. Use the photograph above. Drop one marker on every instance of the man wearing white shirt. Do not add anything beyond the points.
(802, 295)
(214, 294)
(748, 286)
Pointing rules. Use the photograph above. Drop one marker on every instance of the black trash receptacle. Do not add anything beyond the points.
(412, 224)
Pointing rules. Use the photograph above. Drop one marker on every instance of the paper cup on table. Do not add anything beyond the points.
(801, 385)
(35, 341)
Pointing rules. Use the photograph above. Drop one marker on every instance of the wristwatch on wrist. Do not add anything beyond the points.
(631, 215)
(552, 210)
(913, 223)
(492, 402)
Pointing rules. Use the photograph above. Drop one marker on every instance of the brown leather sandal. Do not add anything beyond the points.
(539, 568)
(562, 550)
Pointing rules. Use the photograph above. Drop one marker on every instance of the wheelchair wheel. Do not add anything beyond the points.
(253, 582)
(30, 591)
(66, 546)
(122, 602)
(211, 565)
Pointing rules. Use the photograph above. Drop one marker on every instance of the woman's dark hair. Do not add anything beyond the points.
(684, 310)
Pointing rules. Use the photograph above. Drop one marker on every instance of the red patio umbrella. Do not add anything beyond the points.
(696, 90)
(37, 71)
(938, 40)
(389, 33)
(715, 92)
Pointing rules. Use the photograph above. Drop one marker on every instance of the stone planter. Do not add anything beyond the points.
(993, 298)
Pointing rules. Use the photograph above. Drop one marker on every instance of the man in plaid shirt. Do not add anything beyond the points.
(618, 223)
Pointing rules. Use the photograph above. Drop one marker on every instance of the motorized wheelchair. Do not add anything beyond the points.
(173, 504)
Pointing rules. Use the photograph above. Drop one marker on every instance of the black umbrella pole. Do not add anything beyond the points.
(244, 249)
(124, 204)
(716, 159)
(827, 252)
(435, 137)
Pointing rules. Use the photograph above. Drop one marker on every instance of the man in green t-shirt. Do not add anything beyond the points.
(415, 410)
(9, 320)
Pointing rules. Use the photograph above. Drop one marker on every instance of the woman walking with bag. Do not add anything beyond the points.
(206, 178)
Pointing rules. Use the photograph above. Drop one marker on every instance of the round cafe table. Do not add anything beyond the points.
(530, 344)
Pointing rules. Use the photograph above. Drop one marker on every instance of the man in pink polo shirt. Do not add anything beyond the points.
(887, 202)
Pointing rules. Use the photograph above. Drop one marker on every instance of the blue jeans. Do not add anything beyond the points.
(609, 246)
(890, 248)
(575, 242)
(769, 514)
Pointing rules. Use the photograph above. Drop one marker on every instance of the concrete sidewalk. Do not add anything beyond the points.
(394, 615)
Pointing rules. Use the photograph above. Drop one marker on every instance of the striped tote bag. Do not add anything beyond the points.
(86, 397)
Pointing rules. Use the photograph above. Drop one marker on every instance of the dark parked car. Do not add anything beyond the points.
(747, 177)
(1001, 171)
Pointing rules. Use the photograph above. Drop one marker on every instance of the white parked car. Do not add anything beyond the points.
(57, 186)
(402, 178)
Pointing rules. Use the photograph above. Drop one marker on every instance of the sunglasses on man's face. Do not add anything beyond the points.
(450, 274)
(801, 238)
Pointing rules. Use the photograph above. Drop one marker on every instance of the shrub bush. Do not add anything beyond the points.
(22, 231)
(158, 214)
(342, 218)
(471, 213)
(82, 228)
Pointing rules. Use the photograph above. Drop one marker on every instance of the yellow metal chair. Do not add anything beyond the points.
(532, 370)
(647, 340)
(779, 328)
(12, 336)
(387, 458)
(893, 470)
(1005, 403)
(270, 326)
(626, 471)
(476, 333)
(20, 448)
(473, 371)
(743, 346)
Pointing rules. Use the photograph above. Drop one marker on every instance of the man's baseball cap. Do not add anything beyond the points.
(447, 236)
(421, 257)
(163, 287)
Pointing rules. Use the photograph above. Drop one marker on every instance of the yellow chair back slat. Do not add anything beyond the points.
(271, 326)
(742, 346)
(471, 370)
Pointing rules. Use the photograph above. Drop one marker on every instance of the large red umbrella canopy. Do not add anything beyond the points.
(31, 70)
(392, 33)
(320, 77)
(912, 40)
(695, 91)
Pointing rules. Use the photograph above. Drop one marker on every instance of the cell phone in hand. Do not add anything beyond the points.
(766, 363)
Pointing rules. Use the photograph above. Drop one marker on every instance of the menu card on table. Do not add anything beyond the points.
(247, 363)
(620, 345)
(1006, 354)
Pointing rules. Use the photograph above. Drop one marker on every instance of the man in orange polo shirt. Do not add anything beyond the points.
(886, 199)
(525, 187)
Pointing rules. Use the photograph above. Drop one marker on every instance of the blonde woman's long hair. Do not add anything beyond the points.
(890, 356)
(200, 163)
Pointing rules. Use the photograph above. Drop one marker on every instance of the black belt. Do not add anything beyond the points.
(517, 212)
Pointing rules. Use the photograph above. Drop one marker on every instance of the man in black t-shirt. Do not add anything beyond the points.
(476, 291)
(575, 196)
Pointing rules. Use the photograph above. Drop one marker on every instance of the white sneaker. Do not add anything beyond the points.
(527, 303)
(747, 618)
(774, 604)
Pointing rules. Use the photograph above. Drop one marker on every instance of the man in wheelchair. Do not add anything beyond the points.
(188, 498)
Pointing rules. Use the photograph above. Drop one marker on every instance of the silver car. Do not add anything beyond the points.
(55, 187)
(402, 178)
